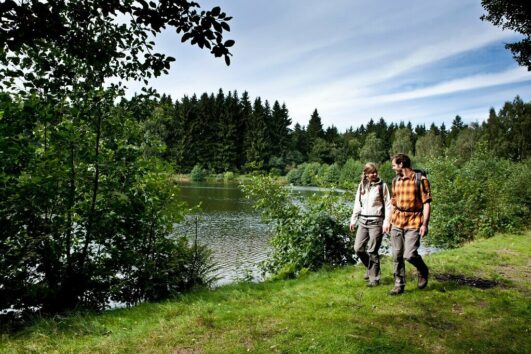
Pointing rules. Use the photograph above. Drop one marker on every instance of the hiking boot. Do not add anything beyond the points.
(397, 290)
(423, 280)
(373, 284)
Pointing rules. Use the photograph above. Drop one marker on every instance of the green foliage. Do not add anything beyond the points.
(333, 175)
(350, 174)
(309, 234)
(309, 175)
(373, 150)
(228, 176)
(513, 15)
(63, 45)
(198, 173)
(295, 174)
(402, 142)
(486, 195)
(386, 172)
(464, 145)
(87, 209)
(429, 146)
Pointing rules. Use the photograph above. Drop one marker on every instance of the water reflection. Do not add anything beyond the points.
(229, 226)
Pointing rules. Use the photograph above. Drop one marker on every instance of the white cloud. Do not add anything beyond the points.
(349, 58)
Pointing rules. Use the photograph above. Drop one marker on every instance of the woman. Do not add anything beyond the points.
(371, 214)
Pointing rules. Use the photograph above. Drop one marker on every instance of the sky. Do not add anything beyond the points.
(352, 60)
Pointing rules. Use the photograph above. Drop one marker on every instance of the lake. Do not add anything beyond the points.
(231, 228)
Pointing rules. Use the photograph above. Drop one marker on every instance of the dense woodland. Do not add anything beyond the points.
(229, 132)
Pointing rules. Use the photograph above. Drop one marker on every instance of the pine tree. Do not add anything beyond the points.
(186, 149)
(257, 138)
(315, 128)
(246, 112)
(227, 149)
(299, 141)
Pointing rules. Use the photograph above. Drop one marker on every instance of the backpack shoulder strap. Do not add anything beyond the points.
(380, 189)
(359, 190)
(419, 184)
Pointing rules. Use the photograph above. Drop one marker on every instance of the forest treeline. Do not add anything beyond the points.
(229, 132)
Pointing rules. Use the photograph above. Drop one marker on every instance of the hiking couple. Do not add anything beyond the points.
(405, 213)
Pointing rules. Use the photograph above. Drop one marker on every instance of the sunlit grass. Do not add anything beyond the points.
(331, 311)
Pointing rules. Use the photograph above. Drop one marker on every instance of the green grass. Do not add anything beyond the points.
(326, 312)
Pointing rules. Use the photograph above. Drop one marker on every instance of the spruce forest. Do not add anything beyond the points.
(228, 132)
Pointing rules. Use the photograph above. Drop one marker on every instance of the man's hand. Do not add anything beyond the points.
(423, 230)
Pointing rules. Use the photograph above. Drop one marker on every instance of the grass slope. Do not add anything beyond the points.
(326, 312)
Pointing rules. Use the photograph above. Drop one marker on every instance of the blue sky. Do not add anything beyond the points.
(353, 60)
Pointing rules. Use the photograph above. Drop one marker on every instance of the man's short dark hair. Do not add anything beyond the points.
(402, 159)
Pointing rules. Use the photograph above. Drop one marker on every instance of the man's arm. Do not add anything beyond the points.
(426, 209)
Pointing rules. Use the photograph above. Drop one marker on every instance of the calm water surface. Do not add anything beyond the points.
(230, 227)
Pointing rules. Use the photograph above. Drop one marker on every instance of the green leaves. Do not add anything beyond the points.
(309, 233)
(71, 46)
(87, 208)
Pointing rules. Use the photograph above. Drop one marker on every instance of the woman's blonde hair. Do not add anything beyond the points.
(368, 168)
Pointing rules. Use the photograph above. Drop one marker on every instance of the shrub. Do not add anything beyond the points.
(386, 172)
(485, 196)
(308, 177)
(228, 176)
(198, 173)
(308, 234)
(333, 174)
(350, 174)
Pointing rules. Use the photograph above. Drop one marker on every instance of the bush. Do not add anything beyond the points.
(309, 175)
(294, 175)
(485, 196)
(228, 176)
(386, 172)
(333, 175)
(308, 235)
(350, 174)
(198, 174)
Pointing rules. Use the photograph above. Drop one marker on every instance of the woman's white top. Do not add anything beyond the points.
(371, 206)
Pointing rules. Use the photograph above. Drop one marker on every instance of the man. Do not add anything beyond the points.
(410, 200)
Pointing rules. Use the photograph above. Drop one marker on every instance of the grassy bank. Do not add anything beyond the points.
(477, 301)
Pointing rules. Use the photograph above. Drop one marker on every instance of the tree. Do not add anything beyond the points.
(300, 143)
(465, 144)
(57, 46)
(99, 203)
(514, 123)
(402, 142)
(257, 137)
(315, 128)
(228, 134)
(373, 149)
(514, 15)
(322, 152)
(455, 129)
(429, 145)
